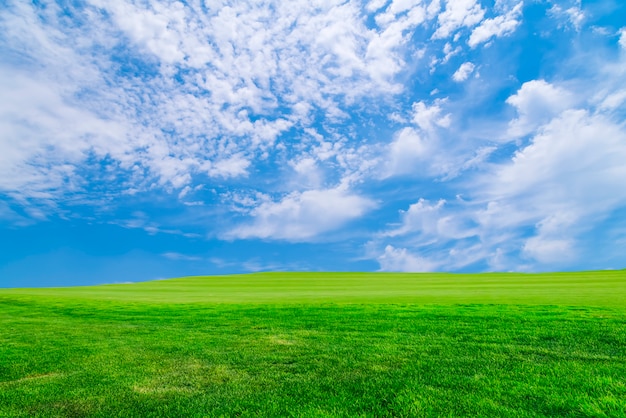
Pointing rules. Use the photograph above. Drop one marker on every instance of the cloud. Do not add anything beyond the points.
(43, 136)
(308, 173)
(415, 149)
(432, 222)
(549, 251)
(553, 243)
(407, 152)
(536, 210)
(536, 102)
(421, 218)
(498, 26)
(457, 14)
(232, 167)
(428, 117)
(374, 5)
(463, 72)
(400, 259)
(302, 216)
(613, 101)
(567, 179)
(572, 15)
(170, 92)
(290, 120)
(180, 257)
(8, 214)
(622, 38)
(575, 158)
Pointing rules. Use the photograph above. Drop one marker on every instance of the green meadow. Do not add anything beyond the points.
(319, 345)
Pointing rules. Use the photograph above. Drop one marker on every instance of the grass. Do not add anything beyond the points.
(325, 344)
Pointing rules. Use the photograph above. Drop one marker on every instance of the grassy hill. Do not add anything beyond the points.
(319, 344)
(592, 288)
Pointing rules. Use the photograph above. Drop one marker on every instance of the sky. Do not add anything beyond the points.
(146, 139)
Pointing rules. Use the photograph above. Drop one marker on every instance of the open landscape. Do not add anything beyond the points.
(319, 344)
(460, 162)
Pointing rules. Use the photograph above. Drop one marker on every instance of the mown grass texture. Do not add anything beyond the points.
(305, 345)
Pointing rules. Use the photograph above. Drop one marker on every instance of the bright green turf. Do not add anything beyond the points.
(319, 345)
(600, 288)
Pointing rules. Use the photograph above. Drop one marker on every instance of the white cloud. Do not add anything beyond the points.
(576, 16)
(571, 15)
(427, 117)
(10, 215)
(416, 149)
(553, 243)
(535, 210)
(395, 24)
(420, 218)
(290, 98)
(407, 151)
(576, 160)
(537, 101)
(412, 149)
(232, 167)
(401, 259)
(499, 26)
(567, 179)
(458, 13)
(180, 257)
(450, 52)
(433, 222)
(303, 216)
(43, 136)
(613, 101)
(374, 5)
(549, 251)
(463, 72)
(156, 28)
(622, 38)
(203, 96)
(308, 173)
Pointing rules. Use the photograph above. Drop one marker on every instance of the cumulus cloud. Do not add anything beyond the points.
(457, 14)
(463, 72)
(302, 216)
(308, 173)
(575, 158)
(536, 102)
(407, 151)
(232, 167)
(553, 243)
(431, 221)
(429, 117)
(413, 147)
(549, 251)
(498, 26)
(401, 259)
(534, 210)
(562, 183)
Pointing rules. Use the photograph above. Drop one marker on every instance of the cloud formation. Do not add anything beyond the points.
(456, 134)
(302, 216)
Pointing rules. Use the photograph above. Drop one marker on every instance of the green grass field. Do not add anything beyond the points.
(319, 344)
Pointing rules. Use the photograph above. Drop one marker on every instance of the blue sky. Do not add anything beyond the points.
(151, 139)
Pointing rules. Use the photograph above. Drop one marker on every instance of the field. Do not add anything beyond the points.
(319, 344)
